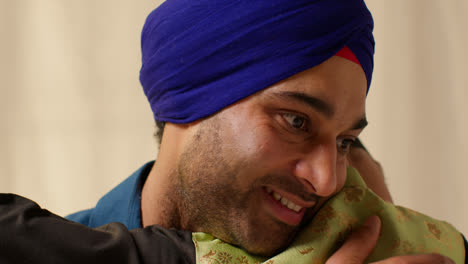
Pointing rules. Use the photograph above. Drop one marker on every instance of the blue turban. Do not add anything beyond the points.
(201, 56)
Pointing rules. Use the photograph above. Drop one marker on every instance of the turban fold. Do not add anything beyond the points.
(201, 56)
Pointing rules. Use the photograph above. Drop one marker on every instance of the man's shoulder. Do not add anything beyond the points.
(81, 217)
(121, 204)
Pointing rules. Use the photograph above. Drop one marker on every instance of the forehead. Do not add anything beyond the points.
(337, 81)
(332, 76)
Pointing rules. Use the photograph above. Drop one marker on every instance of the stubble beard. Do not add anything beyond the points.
(209, 199)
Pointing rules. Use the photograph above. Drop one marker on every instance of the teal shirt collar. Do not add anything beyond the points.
(122, 204)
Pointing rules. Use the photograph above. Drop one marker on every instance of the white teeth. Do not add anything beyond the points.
(277, 196)
(285, 201)
(291, 205)
(297, 208)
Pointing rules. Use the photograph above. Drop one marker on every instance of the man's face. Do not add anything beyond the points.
(256, 171)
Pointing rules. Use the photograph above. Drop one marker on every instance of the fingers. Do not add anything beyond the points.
(359, 244)
(370, 170)
(418, 259)
(362, 241)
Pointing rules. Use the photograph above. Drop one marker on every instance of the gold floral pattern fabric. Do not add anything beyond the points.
(404, 232)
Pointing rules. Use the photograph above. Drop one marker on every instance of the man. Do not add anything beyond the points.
(261, 102)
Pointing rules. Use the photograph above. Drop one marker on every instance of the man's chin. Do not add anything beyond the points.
(269, 245)
(265, 247)
(266, 250)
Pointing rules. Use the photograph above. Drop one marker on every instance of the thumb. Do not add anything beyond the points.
(359, 244)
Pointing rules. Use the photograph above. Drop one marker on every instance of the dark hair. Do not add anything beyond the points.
(159, 131)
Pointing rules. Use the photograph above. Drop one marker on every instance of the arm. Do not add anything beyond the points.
(32, 235)
(29, 234)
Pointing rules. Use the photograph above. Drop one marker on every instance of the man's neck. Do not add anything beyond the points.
(161, 201)
(157, 205)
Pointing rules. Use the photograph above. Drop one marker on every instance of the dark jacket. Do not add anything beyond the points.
(29, 234)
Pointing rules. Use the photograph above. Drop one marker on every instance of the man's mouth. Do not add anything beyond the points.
(284, 201)
(288, 210)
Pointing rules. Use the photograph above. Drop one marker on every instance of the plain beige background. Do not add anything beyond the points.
(75, 122)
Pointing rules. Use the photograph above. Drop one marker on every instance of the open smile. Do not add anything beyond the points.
(285, 207)
(284, 201)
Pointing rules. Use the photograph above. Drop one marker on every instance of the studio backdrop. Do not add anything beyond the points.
(75, 122)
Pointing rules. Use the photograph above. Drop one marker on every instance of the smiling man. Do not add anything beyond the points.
(261, 101)
(256, 170)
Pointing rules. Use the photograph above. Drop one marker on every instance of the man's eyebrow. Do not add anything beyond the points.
(319, 105)
(314, 102)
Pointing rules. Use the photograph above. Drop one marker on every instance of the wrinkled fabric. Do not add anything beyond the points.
(32, 235)
(201, 56)
(403, 232)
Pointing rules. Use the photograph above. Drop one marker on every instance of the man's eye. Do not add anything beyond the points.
(296, 121)
(344, 144)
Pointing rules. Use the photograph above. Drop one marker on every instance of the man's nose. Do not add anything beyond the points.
(317, 169)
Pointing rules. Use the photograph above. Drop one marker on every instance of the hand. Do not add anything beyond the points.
(362, 241)
(370, 170)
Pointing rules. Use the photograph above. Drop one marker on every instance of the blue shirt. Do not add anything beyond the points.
(122, 204)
